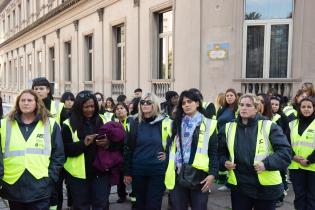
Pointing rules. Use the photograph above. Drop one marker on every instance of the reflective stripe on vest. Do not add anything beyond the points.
(166, 130)
(288, 110)
(263, 150)
(302, 145)
(55, 110)
(276, 117)
(19, 154)
(201, 159)
(76, 165)
(108, 116)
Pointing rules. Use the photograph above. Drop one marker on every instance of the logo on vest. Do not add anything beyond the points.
(40, 141)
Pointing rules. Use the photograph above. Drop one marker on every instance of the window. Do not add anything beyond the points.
(268, 38)
(52, 64)
(21, 72)
(19, 14)
(39, 63)
(165, 47)
(37, 6)
(9, 25)
(4, 73)
(3, 26)
(67, 61)
(10, 73)
(28, 9)
(13, 19)
(119, 52)
(88, 57)
(29, 69)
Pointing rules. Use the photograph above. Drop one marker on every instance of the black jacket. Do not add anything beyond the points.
(244, 150)
(27, 188)
(74, 149)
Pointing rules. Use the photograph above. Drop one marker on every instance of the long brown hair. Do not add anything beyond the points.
(40, 109)
(235, 103)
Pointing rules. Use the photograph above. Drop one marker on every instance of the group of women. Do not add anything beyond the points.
(182, 151)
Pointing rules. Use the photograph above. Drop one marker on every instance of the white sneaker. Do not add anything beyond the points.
(223, 188)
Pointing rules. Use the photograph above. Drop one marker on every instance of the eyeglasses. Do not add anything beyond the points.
(85, 95)
(99, 99)
(147, 102)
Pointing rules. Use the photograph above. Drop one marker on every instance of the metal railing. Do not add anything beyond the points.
(118, 87)
(160, 87)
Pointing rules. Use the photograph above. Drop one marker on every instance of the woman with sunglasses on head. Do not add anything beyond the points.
(89, 187)
(145, 153)
(302, 168)
(31, 154)
(253, 150)
(194, 148)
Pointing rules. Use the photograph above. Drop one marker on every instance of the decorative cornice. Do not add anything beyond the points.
(100, 13)
(76, 25)
(46, 17)
(136, 3)
(58, 33)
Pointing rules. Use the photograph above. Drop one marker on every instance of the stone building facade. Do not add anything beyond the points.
(115, 46)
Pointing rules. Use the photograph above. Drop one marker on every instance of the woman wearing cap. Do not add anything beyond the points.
(145, 154)
(302, 168)
(31, 153)
(88, 186)
(253, 150)
(194, 146)
(43, 89)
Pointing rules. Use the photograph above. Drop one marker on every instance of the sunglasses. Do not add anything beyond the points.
(147, 102)
(85, 95)
(99, 99)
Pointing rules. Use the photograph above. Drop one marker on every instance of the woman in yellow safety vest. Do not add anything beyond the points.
(89, 187)
(302, 168)
(145, 153)
(253, 150)
(31, 153)
(121, 115)
(194, 146)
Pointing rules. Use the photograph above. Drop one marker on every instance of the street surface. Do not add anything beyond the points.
(217, 201)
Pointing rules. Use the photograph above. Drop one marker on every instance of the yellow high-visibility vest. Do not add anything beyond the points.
(303, 145)
(288, 110)
(263, 150)
(20, 155)
(76, 165)
(55, 110)
(276, 117)
(201, 160)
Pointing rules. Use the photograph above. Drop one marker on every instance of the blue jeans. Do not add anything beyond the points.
(149, 191)
(181, 197)
(91, 192)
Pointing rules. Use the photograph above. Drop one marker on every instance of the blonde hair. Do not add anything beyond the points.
(253, 98)
(40, 109)
(219, 101)
(155, 102)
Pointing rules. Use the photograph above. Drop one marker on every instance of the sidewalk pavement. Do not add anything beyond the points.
(217, 201)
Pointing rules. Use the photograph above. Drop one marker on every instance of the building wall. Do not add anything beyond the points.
(196, 24)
